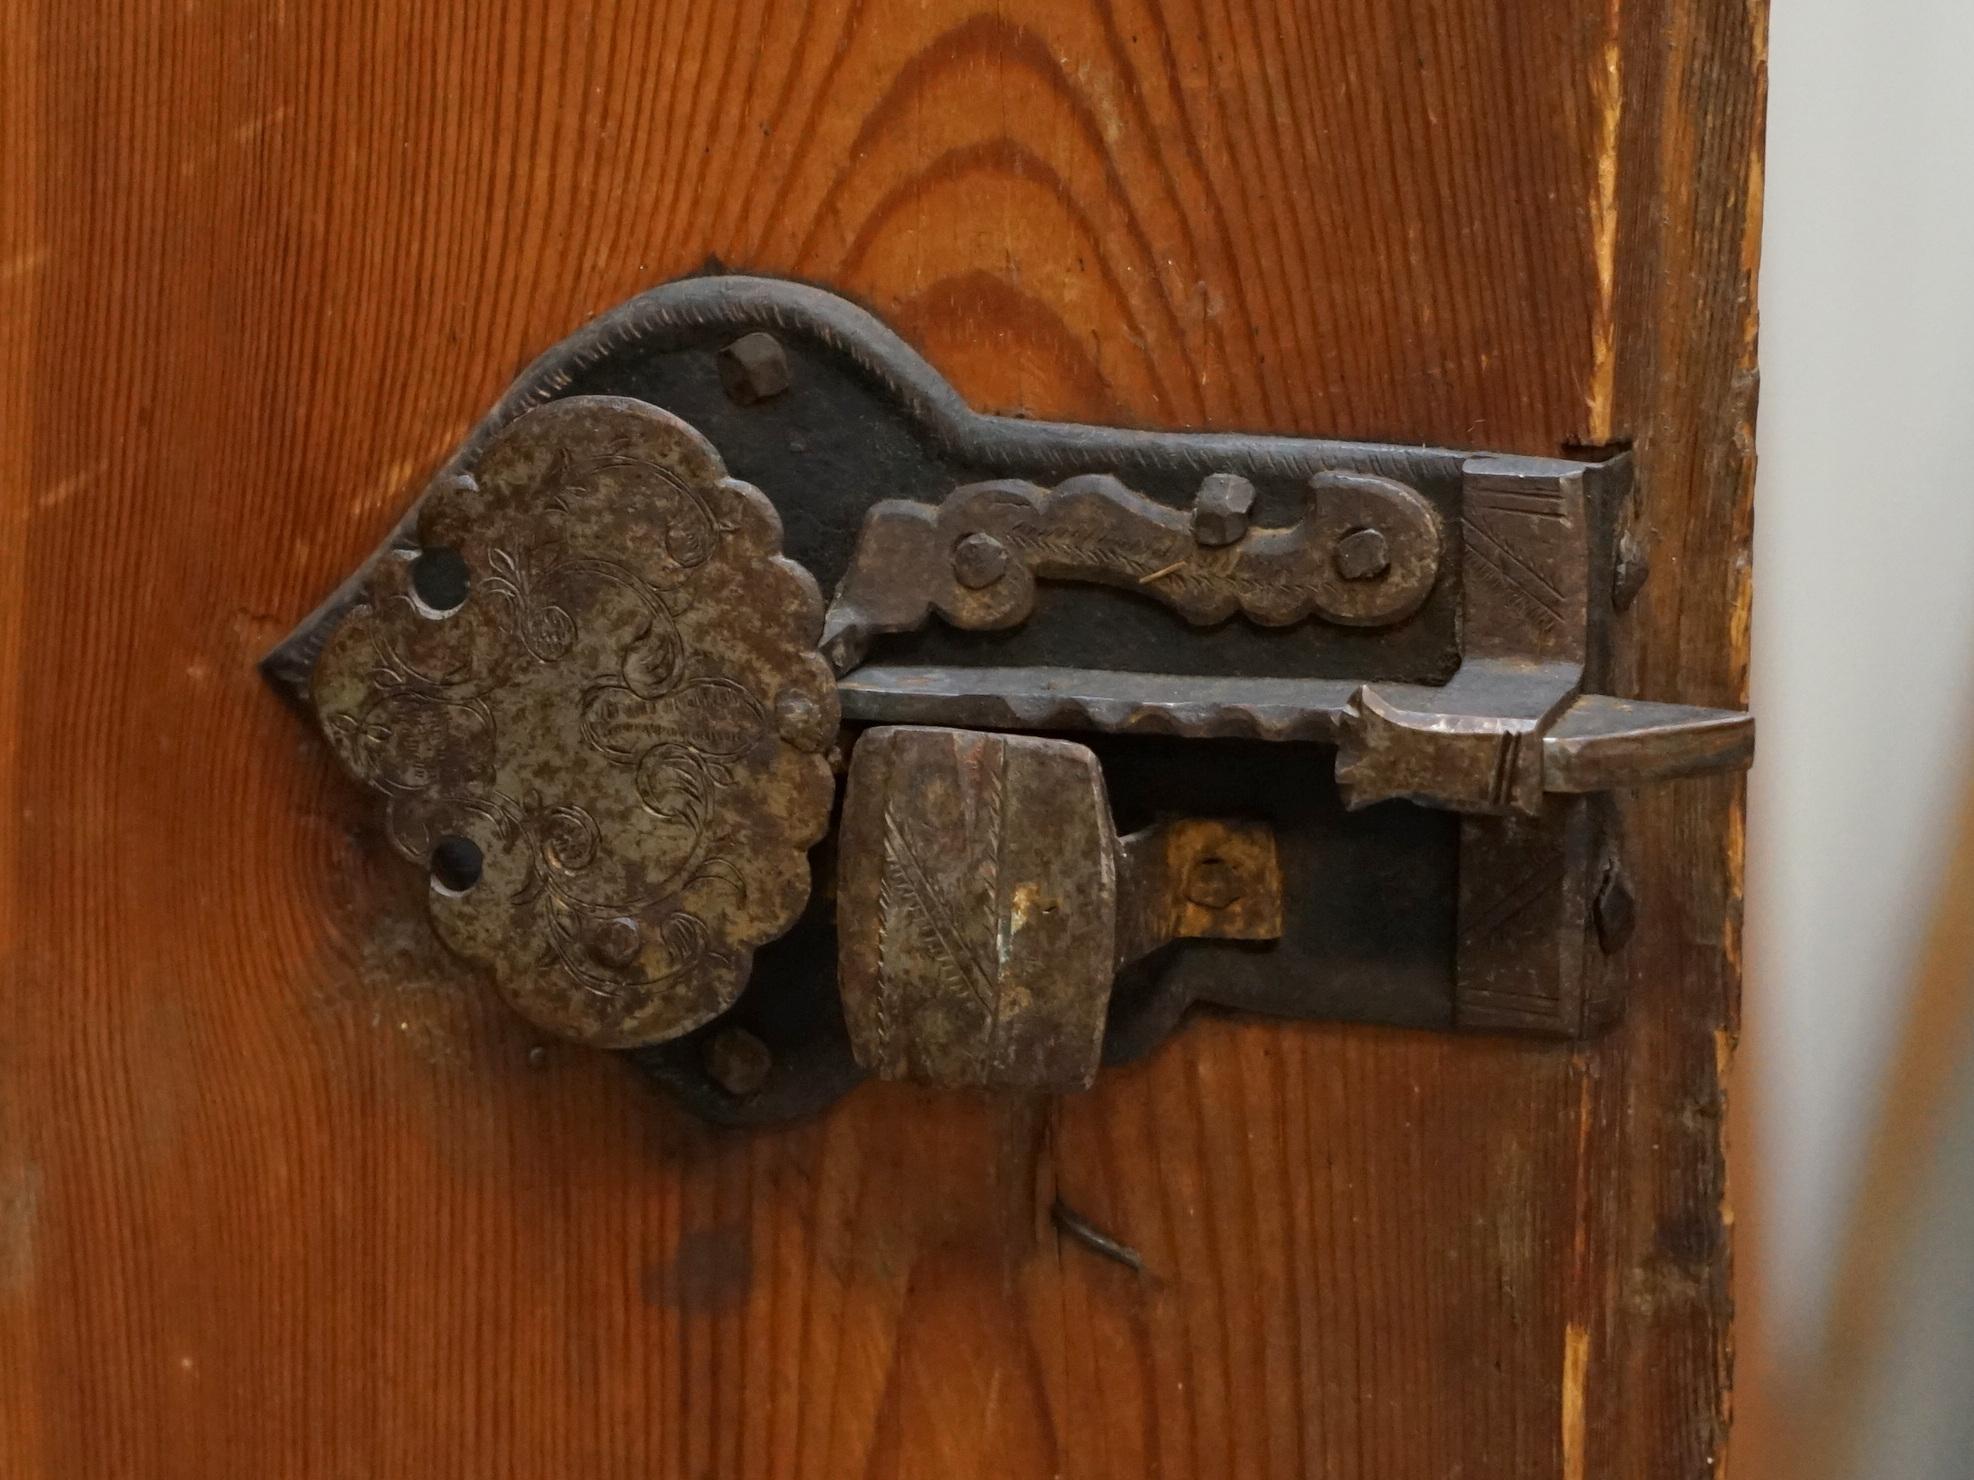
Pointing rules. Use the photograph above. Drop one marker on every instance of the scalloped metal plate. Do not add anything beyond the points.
(622, 722)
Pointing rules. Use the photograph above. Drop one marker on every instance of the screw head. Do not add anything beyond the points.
(753, 368)
(979, 560)
(1212, 883)
(738, 1062)
(1362, 555)
(615, 943)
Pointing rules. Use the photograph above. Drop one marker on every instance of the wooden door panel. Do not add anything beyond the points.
(283, 1191)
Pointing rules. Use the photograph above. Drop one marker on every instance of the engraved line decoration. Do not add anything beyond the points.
(939, 900)
(1522, 582)
(617, 710)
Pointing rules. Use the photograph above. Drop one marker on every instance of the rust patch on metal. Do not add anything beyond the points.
(1198, 878)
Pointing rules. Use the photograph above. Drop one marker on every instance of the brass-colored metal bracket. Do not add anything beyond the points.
(1365, 553)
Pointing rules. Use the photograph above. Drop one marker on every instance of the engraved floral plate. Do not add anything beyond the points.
(593, 703)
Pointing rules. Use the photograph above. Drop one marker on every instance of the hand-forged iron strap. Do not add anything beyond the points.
(592, 702)
(1364, 554)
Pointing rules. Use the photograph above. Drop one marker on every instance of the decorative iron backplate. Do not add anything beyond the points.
(1383, 661)
(979, 558)
(860, 417)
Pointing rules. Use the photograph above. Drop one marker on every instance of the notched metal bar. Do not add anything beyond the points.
(1098, 699)
(1474, 745)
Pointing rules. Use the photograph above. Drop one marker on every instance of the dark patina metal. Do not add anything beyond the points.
(738, 1061)
(985, 901)
(1336, 704)
(978, 558)
(592, 745)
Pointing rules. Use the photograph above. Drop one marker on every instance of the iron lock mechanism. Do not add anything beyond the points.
(1096, 725)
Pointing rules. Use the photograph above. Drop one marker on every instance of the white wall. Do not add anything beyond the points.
(1864, 607)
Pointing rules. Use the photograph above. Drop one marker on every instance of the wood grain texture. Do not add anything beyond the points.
(280, 1193)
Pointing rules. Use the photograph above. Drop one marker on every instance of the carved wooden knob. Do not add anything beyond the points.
(593, 704)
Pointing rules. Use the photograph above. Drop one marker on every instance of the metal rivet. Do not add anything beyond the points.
(1362, 555)
(753, 368)
(1221, 509)
(979, 560)
(1616, 909)
(615, 943)
(1212, 883)
(799, 720)
(1634, 564)
(738, 1062)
